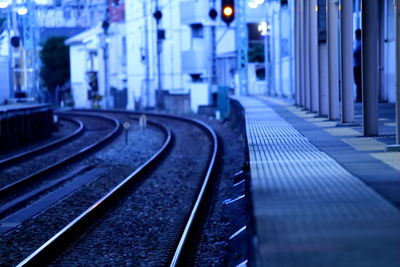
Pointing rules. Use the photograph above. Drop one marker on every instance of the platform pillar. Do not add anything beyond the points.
(398, 73)
(314, 56)
(323, 66)
(297, 52)
(370, 66)
(302, 56)
(306, 11)
(333, 58)
(346, 25)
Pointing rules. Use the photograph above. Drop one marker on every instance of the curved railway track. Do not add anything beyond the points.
(181, 236)
(31, 152)
(32, 177)
(14, 196)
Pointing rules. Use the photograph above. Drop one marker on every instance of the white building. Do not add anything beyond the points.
(185, 70)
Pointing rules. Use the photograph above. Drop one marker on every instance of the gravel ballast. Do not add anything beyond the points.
(118, 159)
(140, 231)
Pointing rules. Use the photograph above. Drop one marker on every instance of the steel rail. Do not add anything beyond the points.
(7, 161)
(177, 258)
(54, 244)
(200, 198)
(6, 190)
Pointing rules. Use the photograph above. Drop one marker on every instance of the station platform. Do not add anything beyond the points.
(24, 123)
(322, 195)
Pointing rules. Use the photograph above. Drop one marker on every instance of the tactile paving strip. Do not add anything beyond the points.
(310, 211)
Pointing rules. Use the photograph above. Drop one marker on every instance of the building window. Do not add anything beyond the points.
(197, 30)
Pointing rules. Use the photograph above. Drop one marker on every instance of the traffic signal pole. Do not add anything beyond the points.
(159, 98)
(213, 79)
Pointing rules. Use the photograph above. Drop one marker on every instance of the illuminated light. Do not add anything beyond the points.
(252, 5)
(316, 8)
(259, 2)
(263, 28)
(22, 11)
(3, 4)
(228, 11)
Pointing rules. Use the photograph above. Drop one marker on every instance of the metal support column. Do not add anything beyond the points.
(314, 56)
(370, 66)
(159, 96)
(398, 73)
(31, 36)
(397, 145)
(297, 77)
(147, 55)
(213, 87)
(302, 56)
(307, 54)
(346, 22)
(323, 66)
(333, 57)
(274, 82)
(242, 45)
(381, 48)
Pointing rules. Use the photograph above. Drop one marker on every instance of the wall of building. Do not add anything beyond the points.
(5, 83)
(79, 84)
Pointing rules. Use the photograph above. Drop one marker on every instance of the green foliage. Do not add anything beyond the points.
(55, 63)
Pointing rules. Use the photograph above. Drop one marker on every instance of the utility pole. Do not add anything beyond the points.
(30, 44)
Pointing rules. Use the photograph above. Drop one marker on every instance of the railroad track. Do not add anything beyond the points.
(15, 195)
(178, 238)
(4, 162)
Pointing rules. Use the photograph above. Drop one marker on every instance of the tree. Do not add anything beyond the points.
(55, 70)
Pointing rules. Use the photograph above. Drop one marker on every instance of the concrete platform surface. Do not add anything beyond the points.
(318, 201)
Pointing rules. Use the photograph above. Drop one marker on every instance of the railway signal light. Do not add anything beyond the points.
(15, 41)
(213, 13)
(157, 15)
(227, 11)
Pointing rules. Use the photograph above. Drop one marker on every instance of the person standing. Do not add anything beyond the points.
(357, 65)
